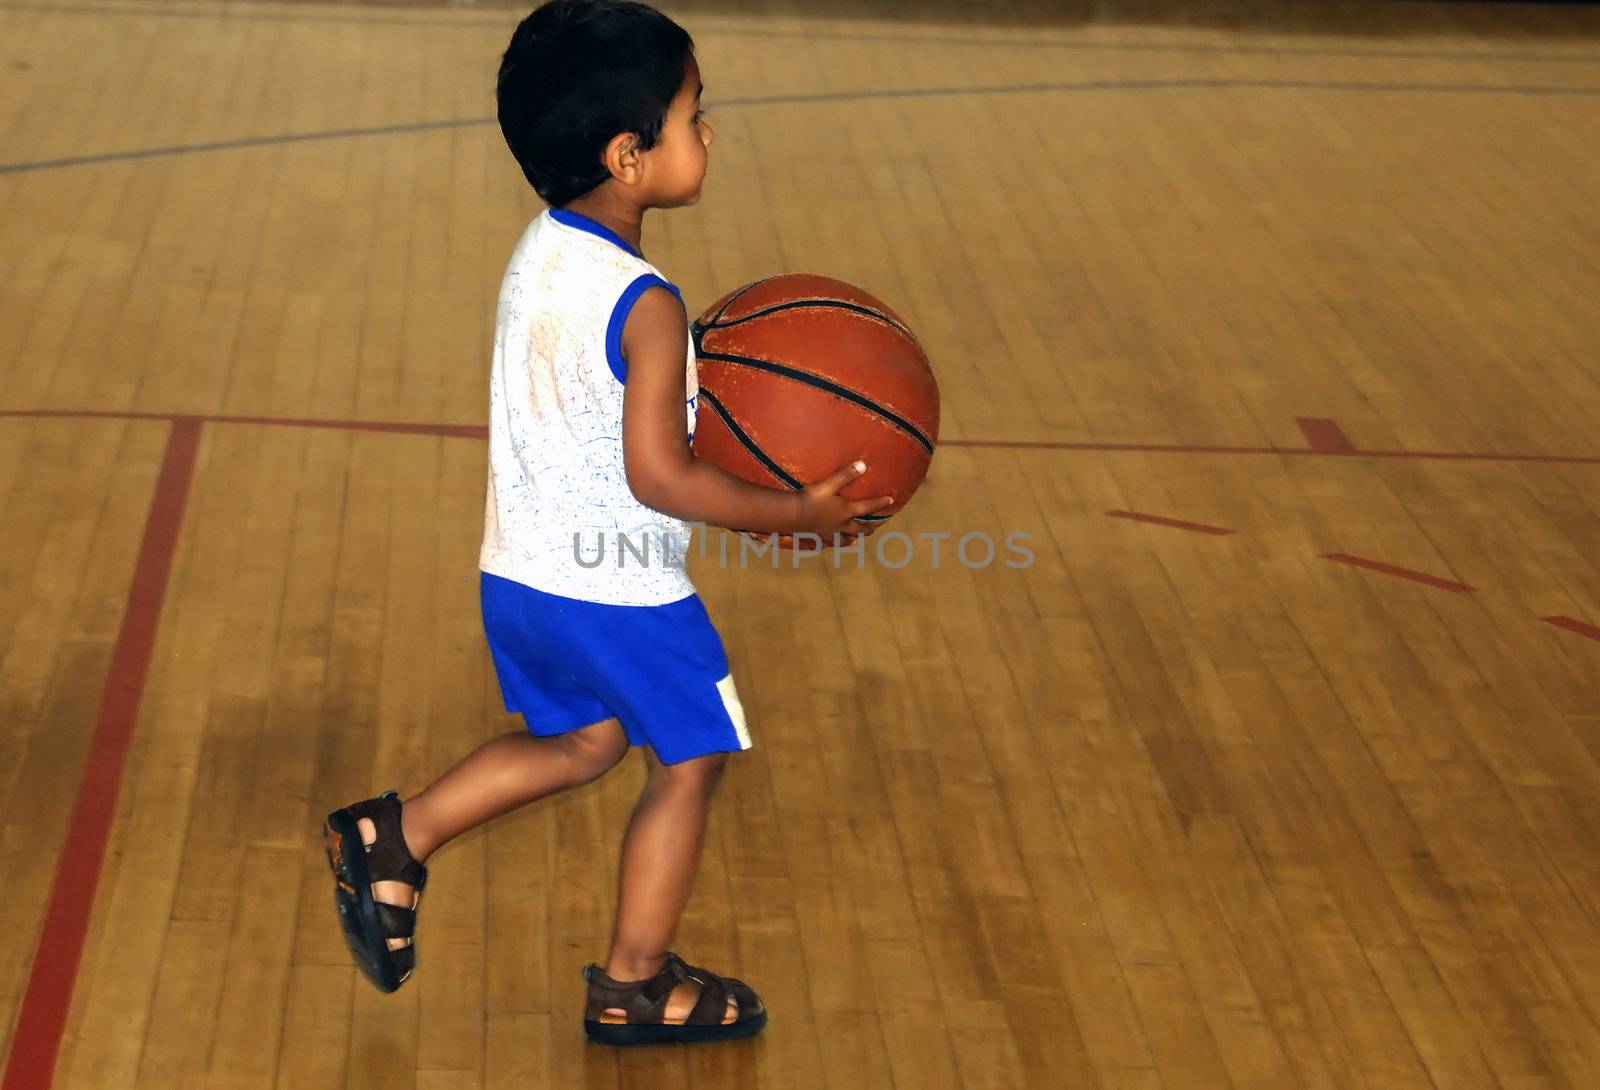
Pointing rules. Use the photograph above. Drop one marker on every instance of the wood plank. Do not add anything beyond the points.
(316, 1027)
(183, 1014)
(250, 1015)
(518, 1051)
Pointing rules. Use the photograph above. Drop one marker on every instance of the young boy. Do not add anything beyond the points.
(592, 399)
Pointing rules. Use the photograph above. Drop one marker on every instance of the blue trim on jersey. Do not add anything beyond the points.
(619, 318)
(593, 227)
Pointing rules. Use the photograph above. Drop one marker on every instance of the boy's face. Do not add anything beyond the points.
(676, 166)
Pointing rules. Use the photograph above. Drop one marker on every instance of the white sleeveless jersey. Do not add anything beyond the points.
(559, 516)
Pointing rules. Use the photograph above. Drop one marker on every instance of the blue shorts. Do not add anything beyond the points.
(660, 670)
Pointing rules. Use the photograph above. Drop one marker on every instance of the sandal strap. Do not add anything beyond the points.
(648, 1005)
(398, 922)
(711, 1009)
(745, 999)
(388, 858)
(643, 1002)
(701, 976)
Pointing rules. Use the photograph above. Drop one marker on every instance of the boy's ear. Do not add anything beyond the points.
(622, 157)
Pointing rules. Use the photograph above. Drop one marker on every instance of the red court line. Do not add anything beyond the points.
(1399, 572)
(475, 431)
(403, 427)
(1131, 448)
(1573, 625)
(1477, 456)
(1178, 524)
(48, 998)
(445, 431)
(1288, 452)
(1325, 436)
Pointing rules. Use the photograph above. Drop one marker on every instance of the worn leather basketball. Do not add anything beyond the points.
(802, 374)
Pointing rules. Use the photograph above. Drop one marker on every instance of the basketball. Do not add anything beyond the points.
(802, 374)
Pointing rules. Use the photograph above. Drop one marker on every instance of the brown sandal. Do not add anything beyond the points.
(369, 924)
(645, 1004)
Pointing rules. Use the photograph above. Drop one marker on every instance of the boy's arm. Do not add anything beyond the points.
(662, 469)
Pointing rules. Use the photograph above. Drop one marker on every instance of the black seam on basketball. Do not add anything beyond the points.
(748, 443)
(734, 298)
(797, 304)
(817, 382)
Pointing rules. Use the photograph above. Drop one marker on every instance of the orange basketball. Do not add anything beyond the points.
(800, 375)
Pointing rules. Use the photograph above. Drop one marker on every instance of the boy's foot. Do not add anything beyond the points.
(681, 1004)
(376, 887)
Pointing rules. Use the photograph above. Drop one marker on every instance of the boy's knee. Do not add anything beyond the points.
(594, 751)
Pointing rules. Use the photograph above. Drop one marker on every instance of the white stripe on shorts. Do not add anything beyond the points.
(730, 700)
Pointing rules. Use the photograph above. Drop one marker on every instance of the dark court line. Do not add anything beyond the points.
(1176, 84)
(842, 96)
(1175, 48)
(377, 17)
(243, 142)
(380, 18)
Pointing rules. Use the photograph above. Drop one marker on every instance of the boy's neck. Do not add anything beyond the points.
(625, 219)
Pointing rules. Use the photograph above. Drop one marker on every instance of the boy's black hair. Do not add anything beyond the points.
(577, 73)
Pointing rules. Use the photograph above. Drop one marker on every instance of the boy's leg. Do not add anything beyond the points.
(660, 855)
(502, 774)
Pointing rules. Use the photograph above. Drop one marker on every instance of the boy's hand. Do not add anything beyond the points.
(829, 515)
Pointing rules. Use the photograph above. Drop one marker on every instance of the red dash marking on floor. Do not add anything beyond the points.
(1177, 524)
(1572, 625)
(1398, 572)
(48, 998)
(1325, 436)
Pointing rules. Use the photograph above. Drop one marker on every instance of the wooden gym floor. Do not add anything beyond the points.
(1278, 767)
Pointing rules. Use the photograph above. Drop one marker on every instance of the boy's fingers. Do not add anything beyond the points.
(870, 507)
(842, 477)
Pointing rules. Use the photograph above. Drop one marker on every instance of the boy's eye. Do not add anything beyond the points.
(699, 115)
